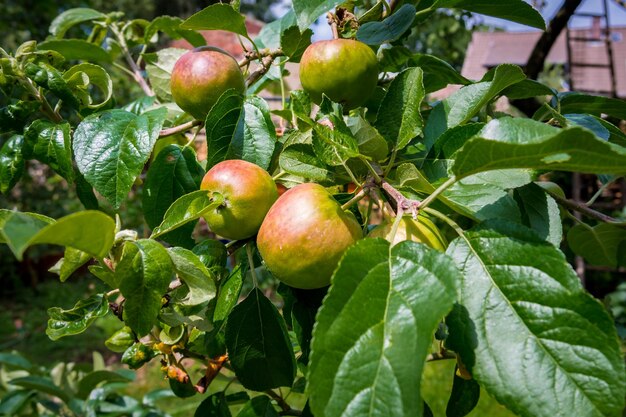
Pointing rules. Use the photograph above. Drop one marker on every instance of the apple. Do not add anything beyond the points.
(345, 70)
(420, 230)
(200, 76)
(304, 235)
(248, 191)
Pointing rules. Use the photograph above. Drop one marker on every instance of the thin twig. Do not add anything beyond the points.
(179, 129)
(286, 408)
(438, 356)
(131, 62)
(357, 197)
(583, 209)
(443, 187)
(267, 57)
(398, 201)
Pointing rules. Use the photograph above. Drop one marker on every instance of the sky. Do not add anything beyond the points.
(617, 16)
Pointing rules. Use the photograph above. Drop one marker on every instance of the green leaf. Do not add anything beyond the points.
(159, 66)
(260, 406)
(375, 329)
(463, 398)
(271, 34)
(14, 401)
(258, 346)
(437, 72)
(90, 381)
(120, 340)
(145, 272)
(390, 29)
(75, 321)
(171, 26)
(307, 11)
(74, 49)
(334, 146)
(194, 274)
(371, 143)
(72, 17)
(255, 140)
(41, 384)
(217, 16)
(399, 119)
(528, 332)
(599, 245)
(186, 209)
(513, 10)
(137, 355)
(525, 143)
(14, 360)
(173, 173)
(212, 253)
(228, 295)
(461, 106)
(293, 42)
(11, 163)
(528, 89)
(300, 159)
(105, 275)
(84, 192)
(89, 231)
(50, 143)
(540, 212)
(112, 147)
(50, 78)
(214, 405)
(596, 105)
(82, 79)
(221, 126)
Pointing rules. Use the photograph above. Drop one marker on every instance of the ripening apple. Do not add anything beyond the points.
(200, 76)
(304, 235)
(345, 70)
(248, 191)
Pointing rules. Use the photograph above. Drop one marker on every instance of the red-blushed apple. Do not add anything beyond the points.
(304, 235)
(248, 191)
(345, 70)
(200, 77)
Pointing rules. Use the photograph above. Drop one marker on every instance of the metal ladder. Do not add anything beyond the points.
(579, 45)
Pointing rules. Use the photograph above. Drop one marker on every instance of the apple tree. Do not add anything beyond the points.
(465, 260)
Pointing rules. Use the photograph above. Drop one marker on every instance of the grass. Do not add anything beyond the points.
(23, 323)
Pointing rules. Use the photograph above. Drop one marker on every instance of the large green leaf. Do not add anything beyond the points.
(514, 10)
(74, 49)
(540, 212)
(159, 66)
(90, 381)
(528, 332)
(88, 231)
(186, 209)
(307, 11)
(76, 320)
(294, 43)
(300, 159)
(145, 272)
(596, 105)
(41, 384)
(228, 296)
(72, 17)
(112, 147)
(461, 106)
(217, 16)
(375, 329)
(260, 406)
(437, 72)
(255, 140)
(221, 126)
(463, 398)
(599, 245)
(334, 146)
(171, 26)
(50, 78)
(194, 274)
(399, 119)
(371, 143)
(388, 30)
(11, 163)
(173, 173)
(82, 79)
(524, 143)
(50, 143)
(258, 346)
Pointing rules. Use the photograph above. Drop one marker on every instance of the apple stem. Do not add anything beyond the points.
(333, 24)
(396, 224)
(179, 129)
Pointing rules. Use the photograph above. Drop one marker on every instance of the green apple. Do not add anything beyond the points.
(420, 230)
(248, 191)
(200, 76)
(345, 70)
(304, 235)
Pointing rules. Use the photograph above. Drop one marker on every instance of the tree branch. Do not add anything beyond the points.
(267, 57)
(583, 209)
(180, 128)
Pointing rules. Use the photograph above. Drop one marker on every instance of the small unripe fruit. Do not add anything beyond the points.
(304, 235)
(421, 230)
(345, 70)
(200, 77)
(248, 191)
